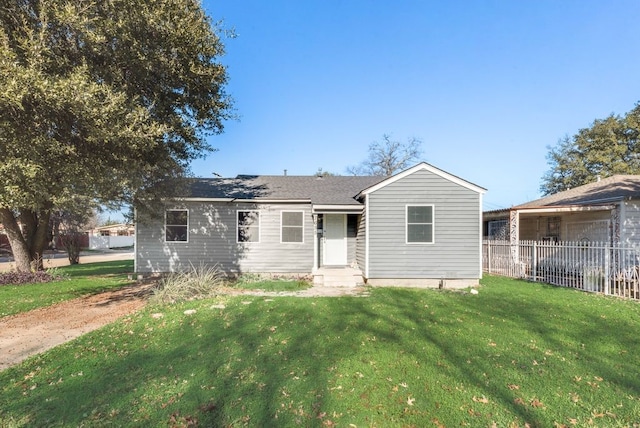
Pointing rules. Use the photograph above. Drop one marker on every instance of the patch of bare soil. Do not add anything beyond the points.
(30, 333)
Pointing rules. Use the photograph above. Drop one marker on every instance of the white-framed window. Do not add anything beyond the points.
(292, 226)
(248, 222)
(419, 224)
(176, 226)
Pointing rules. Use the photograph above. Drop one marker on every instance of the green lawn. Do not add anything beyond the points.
(79, 280)
(517, 353)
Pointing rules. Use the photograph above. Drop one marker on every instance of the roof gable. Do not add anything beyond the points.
(609, 189)
(427, 167)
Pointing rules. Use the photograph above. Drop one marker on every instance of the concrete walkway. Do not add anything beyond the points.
(315, 291)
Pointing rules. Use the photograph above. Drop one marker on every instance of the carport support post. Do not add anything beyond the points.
(513, 237)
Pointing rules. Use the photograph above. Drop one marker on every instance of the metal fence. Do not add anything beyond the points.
(589, 266)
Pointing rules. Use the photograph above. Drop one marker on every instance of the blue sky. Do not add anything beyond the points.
(487, 86)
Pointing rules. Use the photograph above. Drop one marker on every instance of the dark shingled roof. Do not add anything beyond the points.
(606, 190)
(331, 190)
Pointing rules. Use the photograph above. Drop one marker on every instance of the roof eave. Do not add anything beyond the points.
(336, 209)
(246, 200)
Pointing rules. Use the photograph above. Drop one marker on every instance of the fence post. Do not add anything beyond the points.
(534, 262)
(607, 284)
(488, 255)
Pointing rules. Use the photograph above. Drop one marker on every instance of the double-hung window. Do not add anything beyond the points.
(292, 226)
(419, 222)
(176, 226)
(248, 226)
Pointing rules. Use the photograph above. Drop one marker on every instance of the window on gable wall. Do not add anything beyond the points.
(292, 226)
(176, 226)
(419, 222)
(248, 226)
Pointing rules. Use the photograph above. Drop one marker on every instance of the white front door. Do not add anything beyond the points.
(334, 249)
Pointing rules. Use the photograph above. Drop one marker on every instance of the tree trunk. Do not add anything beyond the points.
(72, 243)
(19, 246)
(28, 244)
(40, 241)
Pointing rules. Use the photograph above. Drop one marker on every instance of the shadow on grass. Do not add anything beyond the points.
(241, 370)
(115, 267)
(288, 361)
(551, 336)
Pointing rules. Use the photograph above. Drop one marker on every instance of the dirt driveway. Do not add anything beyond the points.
(32, 332)
(36, 331)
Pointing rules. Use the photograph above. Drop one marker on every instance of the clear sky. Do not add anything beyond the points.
(487, 86)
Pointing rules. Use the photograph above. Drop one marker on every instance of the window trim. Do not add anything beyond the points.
(433, 224)
(282, 226)
(182, 225)
(238, 241)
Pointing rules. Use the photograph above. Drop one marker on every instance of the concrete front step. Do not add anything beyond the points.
(338, 277)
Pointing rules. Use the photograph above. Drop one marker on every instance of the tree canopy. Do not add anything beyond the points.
(388, 157)
(609, 146)
(104, 99)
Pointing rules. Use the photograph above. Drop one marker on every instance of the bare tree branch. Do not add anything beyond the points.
(388, 157)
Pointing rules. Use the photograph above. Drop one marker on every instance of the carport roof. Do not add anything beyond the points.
(609, 189)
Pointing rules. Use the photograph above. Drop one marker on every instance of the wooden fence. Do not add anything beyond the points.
(588, 266)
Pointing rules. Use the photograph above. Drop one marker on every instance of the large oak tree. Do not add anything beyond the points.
(609, 146)
(103, 99)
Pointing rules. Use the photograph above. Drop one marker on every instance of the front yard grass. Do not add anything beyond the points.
(256, 282)
(516, 353)
(78, 280)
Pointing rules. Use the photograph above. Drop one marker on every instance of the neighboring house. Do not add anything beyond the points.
(118, 229)
(604, 211)
(420, 227)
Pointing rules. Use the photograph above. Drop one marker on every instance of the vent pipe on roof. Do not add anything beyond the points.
(285, 172)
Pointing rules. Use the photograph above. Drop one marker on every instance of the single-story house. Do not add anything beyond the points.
(420, 227)
(607, 211)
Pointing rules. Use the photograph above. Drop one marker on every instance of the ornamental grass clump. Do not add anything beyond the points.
(194, 283)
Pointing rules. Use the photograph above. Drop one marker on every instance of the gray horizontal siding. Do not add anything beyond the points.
(455, 252)
(361, 241)
(212, 241)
